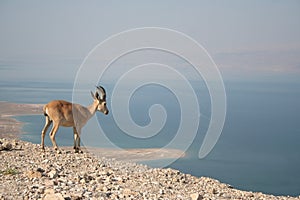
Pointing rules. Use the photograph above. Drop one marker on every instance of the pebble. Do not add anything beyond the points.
(52, 174)
(48, 175)
(196, 196)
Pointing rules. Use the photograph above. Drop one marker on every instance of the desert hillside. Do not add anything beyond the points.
(26, 172)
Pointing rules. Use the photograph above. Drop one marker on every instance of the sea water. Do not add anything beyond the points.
(259, 148)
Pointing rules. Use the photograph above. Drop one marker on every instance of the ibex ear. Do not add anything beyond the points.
(97, 96)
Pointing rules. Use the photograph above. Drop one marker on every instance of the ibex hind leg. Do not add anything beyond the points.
(77, 142)
(78, 145)
(44, 131)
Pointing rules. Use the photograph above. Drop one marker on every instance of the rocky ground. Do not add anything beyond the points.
(26, 172)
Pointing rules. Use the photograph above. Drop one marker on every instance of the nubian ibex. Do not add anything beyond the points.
(63, 113)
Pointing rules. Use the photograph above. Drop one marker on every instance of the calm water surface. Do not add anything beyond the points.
(259, 148)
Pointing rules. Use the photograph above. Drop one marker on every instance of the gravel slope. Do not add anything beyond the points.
(28, 173)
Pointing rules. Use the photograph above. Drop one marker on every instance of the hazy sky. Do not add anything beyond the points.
(253, 36)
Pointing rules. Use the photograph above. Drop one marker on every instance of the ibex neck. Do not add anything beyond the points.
(92, 108)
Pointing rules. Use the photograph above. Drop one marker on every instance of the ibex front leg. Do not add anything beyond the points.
(76, 140)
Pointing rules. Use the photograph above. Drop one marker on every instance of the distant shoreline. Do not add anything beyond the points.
(12, 129)
(9, 126)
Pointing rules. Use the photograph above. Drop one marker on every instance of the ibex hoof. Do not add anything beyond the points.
(78, 150)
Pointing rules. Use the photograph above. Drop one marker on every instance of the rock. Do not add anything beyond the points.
(83, 181)
(7, 146)
(126, 192)
(49, 191)
(196, 196)
(161, 191)
(54, 196)
(45, 161)
(40, 170)
(53, 174)
(76, 196)
(214, 191)
(33, 174)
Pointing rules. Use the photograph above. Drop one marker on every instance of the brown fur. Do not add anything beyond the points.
(64, 113)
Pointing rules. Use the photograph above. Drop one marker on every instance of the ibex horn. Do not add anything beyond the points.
(102, 91)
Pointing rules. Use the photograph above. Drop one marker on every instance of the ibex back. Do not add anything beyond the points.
(63, 113)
